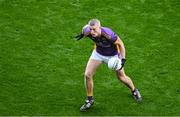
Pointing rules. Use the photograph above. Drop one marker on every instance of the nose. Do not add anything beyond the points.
(92, 31)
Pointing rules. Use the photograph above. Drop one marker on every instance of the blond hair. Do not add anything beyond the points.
(93, 22)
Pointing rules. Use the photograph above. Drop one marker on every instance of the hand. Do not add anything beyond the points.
(79, 36)
(123, 60)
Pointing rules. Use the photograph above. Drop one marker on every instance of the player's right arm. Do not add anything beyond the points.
(85, 31)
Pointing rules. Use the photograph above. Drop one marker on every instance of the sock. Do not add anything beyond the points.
(90, 98)
(133, 92)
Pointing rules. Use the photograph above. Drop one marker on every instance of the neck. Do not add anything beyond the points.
(99, 33)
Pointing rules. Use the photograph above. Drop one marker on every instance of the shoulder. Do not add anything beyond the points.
(107, 32)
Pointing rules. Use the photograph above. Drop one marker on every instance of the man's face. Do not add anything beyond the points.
(95, 30)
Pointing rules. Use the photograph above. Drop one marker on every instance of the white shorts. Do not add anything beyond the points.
(96, 56)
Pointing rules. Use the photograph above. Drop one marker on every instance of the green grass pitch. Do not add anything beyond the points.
(42, 67)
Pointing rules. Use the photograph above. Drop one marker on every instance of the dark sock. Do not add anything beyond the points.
(90, 98)
(134, 90)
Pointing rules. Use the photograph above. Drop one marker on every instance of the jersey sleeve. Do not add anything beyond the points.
(108, 33)
(86, 30)
(113, 37)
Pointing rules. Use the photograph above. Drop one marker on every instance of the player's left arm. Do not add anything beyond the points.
(120, 47)
(121, 50)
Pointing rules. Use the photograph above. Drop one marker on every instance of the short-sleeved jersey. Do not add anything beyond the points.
(105, 43)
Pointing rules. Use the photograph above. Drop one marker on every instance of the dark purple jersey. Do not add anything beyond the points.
(105, 43)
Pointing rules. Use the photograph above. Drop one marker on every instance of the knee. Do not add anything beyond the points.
(88, 76)
(122, 77)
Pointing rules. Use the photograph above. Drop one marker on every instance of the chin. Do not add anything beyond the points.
(94, 36)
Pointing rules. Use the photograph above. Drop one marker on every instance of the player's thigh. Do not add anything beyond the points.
(91, 67)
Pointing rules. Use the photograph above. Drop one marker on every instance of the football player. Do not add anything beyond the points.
(107, 45)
